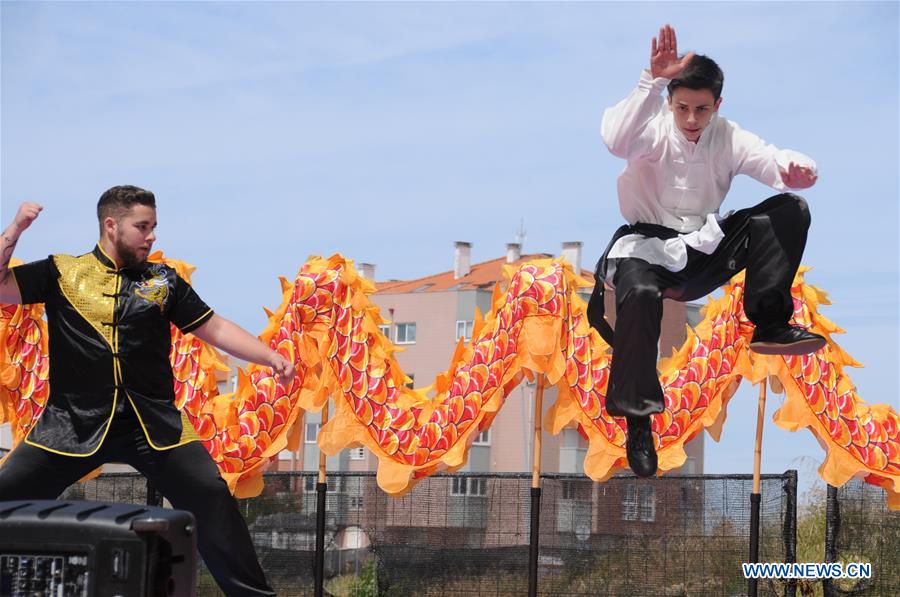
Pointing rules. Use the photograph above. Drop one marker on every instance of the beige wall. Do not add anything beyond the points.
(434, 314)
(5, 438)
(512, 433)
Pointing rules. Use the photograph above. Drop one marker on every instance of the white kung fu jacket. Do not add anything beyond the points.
(674, 183)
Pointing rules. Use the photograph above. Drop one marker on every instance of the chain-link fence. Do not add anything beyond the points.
(468, 534)
(859, 527)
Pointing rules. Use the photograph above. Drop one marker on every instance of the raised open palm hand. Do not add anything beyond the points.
(664, 61)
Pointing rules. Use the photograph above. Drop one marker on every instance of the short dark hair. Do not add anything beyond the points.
(702, 72)
(115, 201)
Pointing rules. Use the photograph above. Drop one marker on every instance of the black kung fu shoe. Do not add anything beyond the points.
(640, 447)
(785, 339)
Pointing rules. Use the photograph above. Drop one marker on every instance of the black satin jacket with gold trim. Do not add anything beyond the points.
(110, 339)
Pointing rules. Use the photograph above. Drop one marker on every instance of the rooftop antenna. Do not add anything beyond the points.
(520, 235)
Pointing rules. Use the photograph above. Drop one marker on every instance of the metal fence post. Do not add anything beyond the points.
(536, 490)
(790, 527)
(321, 504)
(832, 529)
(755, 497)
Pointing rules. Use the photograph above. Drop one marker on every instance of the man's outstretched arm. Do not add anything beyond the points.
(9, 290)
(236, 341)
(781, 169)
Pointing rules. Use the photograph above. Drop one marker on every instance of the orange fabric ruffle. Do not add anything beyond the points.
(537, 324)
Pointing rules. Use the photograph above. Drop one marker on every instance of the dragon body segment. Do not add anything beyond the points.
(537, 325)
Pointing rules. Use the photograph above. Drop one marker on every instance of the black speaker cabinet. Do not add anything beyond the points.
(93, 549)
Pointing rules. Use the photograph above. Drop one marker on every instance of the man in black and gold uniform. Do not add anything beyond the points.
(111, 385)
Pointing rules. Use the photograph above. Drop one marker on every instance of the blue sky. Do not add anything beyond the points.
(387, 131)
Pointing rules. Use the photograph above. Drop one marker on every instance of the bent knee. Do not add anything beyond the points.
(801, 206)
(786, 209)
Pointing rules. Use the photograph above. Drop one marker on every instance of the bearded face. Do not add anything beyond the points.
(134, 234)
(129, 256)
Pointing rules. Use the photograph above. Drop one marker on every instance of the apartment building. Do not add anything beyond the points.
(427, 317)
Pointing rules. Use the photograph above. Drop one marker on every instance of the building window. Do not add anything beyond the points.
(386, 330)
(358, 454)
(468, 505)
(309, 483)
(647, 503)
(630, 503)
(312, 432)
(355, 502)
(639, 503)
(468, 486)
(573, 516)
(464, 329)
(483, 438)
(406, 333)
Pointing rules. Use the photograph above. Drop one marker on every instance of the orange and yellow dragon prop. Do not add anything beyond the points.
(329, 328)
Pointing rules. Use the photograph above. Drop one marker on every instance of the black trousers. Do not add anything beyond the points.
(767, 240)
(186, 475)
